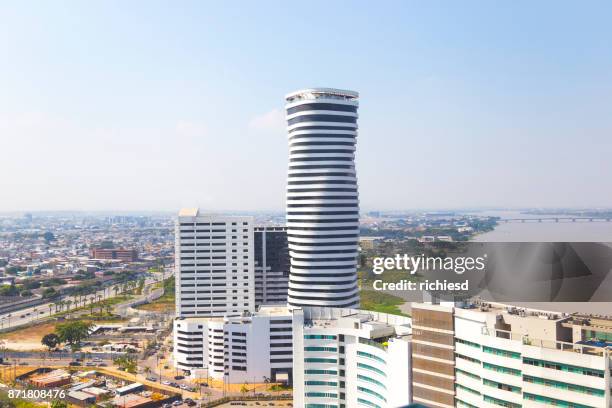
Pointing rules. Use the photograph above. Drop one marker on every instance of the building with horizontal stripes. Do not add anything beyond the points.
(345, 358)
(514, 357)
(490, 355)
(236, 349)
(322, 197)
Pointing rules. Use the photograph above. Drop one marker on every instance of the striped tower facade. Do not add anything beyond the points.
(322, 198)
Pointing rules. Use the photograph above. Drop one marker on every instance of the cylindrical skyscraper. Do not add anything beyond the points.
(322, 198)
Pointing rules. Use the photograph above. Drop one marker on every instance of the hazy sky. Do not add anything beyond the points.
(159, 105)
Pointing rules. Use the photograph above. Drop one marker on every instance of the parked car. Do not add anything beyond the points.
(74, 363)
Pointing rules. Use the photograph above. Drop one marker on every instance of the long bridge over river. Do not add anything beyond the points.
(556, 219)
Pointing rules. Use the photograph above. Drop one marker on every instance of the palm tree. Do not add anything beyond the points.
(50, 308)
(68, 303)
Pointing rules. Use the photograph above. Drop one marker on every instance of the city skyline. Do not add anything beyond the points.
(467, 106)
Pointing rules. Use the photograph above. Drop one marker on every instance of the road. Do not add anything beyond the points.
(47, 310)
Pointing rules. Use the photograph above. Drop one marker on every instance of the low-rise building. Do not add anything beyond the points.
(243, 348)
(123, 254)
(50, 379)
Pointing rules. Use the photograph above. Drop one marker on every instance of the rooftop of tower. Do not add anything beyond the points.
(316, 93)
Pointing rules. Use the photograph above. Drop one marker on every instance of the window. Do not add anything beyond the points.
(371, 356)
(501, 353)
(500, 369)
(564, 367)
(319, 337)
(370, 368)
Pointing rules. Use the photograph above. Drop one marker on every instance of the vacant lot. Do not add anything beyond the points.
(28, 338)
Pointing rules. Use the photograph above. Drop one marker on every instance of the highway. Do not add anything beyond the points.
(47, 310)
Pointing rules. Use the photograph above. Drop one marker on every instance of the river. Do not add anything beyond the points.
(533, 231)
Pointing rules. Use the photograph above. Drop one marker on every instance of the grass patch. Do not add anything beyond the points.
(381, 302)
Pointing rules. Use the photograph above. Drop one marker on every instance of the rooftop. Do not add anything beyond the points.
(189, 212)
(316, 93)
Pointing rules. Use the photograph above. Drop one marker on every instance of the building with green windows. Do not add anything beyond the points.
(346, 358)
(513, 358)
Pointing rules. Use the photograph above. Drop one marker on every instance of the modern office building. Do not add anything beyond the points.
(322, 197)
(345, 358)
(255, 347)
(271, 265)
(489, 355)
(214, 265)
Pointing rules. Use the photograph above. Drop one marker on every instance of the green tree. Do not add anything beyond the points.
(48, 236)
(9, 290)
(49, 293)
(72, 333)
(50, 340)
(127, 363)
(59, 404)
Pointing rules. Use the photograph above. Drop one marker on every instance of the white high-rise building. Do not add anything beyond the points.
(322, 197)
(345, 358)
(214, 265)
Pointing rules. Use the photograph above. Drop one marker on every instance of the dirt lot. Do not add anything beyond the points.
(27, 339)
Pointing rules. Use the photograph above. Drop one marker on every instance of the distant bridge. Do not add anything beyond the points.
(556, 219)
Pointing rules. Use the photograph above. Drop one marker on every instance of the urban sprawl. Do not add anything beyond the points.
(205, 309)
